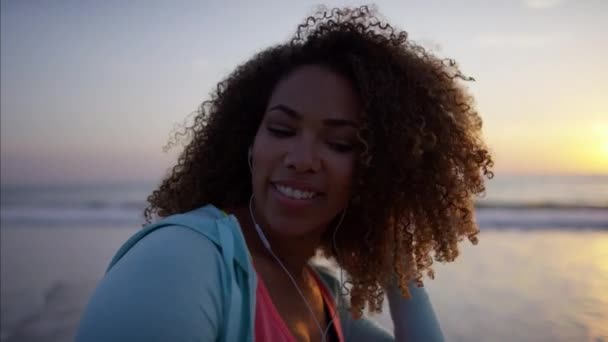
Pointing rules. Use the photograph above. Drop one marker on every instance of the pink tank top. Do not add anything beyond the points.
(270, 327)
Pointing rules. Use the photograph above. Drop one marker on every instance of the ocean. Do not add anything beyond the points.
(539, 273)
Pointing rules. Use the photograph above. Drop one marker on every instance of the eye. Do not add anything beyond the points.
(341, 147)
(280, 132)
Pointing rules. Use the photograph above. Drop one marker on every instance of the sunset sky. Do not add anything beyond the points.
(90, 91)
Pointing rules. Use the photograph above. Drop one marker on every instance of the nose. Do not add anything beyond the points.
(303, 157)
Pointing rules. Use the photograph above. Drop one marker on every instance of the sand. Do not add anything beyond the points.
(515, 286)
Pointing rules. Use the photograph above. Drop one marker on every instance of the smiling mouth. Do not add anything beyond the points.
(295, 193)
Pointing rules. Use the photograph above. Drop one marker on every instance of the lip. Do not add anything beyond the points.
(291, 204)
(299, 185)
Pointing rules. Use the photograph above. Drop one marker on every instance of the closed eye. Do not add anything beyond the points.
(341, 147)
(280, 132)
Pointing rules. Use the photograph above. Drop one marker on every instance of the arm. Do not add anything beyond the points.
(363, 329)
(413, 319)
(166, 288)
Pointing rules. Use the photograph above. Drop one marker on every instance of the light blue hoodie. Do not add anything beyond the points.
(193, 280)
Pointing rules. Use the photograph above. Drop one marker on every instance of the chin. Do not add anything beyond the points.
(294, 227)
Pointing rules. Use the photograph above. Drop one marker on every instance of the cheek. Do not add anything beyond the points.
(342, 178)
(262, 159)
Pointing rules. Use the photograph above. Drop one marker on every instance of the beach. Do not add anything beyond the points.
(515, 285)
(539, 272)
(47, 276)
(115, 109)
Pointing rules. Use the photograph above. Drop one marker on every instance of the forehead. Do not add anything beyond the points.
(316, 91)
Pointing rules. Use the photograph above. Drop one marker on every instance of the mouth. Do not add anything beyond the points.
(296, 193)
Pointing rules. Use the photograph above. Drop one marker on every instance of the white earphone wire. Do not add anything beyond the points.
(267, 245)
(338, 306)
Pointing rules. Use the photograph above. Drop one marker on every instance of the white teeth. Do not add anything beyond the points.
(294, 193)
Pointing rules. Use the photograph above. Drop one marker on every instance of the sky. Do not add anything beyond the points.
(91, 90)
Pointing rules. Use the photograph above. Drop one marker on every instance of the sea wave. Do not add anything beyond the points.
(68, 216)
(543, 218)
(488, 215)
(541, 205)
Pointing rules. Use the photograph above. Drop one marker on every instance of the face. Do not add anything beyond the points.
(303, 153)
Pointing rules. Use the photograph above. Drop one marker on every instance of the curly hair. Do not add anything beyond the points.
(421, 161)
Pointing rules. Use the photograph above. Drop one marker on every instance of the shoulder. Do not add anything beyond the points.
(362, 329)
(329, 276)
(166, 284)
(170, 249)
(174, 236)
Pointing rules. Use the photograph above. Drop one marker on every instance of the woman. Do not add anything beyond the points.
(350, 141)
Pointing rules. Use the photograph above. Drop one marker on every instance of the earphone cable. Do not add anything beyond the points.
(267, 245)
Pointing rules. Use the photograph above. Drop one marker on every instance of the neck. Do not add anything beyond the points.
(293, 251)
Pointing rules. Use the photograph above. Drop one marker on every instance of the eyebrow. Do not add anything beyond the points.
(333, 122)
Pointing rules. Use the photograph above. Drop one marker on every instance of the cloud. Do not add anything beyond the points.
(514, 40)
(543, 4)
